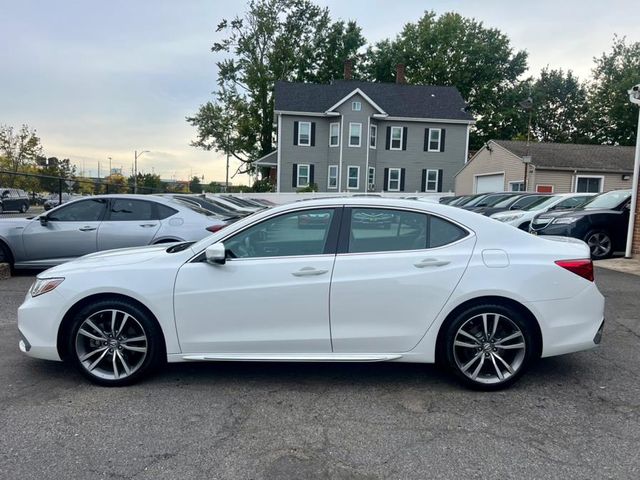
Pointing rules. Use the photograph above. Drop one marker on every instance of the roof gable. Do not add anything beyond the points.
(357, 91)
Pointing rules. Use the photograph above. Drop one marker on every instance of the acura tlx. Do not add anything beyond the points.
(435, 284)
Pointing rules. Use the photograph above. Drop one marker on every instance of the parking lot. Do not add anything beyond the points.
(571, 417)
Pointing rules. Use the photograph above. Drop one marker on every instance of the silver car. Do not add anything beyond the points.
(102, 222)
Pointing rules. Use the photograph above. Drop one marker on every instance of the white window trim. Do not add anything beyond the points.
(359, 136)
(371, 185)
(426, 180)
(545, 185)
(298, 175)
(516, 181)
(391, 139)
(578, 177)
(329, 187)
(431, 130)
(389, 189)
(330, 127)
(373, 137)
(349, 167)
(353, 106)
(300, 144)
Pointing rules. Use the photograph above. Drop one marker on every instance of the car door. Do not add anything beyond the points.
(69, 231)
(271, 296)
(390, 280)
(129, 223)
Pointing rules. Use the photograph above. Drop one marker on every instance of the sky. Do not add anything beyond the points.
(102, 79)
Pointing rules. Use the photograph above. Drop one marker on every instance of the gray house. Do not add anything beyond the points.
(353, 136)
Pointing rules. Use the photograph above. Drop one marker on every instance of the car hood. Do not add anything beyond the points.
(508, 213)
(110, 258)
(573, 213)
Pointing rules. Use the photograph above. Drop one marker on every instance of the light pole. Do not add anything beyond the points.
(135, 168)
(634, 97)
(527, 105)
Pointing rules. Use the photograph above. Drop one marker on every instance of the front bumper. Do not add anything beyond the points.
(38, 323)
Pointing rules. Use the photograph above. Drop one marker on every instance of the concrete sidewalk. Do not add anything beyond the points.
(625, 265)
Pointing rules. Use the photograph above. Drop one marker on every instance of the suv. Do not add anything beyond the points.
(13, 199)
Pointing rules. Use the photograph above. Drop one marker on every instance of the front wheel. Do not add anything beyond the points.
(114, 343)
(489, 346)
(600, 244)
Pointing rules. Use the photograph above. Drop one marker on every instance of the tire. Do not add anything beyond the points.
(24, 208)
(5, 255)
(1, 210)
(600, 244)
(478, 356)
(114, 358)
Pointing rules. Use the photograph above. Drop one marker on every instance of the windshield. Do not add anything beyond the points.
(505, 202)
(495, 200)
(235, 201)
(541, 203)
(195, 208)
(608, 200)
(473, 201)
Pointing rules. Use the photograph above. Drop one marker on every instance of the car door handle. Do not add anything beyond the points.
(431, 262)
(308, 272)
(87, 229)
(147, 225)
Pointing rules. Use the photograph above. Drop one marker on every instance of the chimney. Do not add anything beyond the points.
(400, 77)
(348, 69)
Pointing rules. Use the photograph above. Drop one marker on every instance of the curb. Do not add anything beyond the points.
(5, 271)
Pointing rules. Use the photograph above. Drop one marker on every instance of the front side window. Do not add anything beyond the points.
(292, 234)
(589, 185)
(332, 182)
(334, 135)
(356, 106)
(353, 178)
(373, 136)
(434, 140)
(396, 138)
(431, 181)
(386, 230)
(355, 132)
(303, 175)
(394, 180)
(304, 134)
(371, 179)
(123, 210)
(82, 211)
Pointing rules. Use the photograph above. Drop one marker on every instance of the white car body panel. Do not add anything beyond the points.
(258, 310)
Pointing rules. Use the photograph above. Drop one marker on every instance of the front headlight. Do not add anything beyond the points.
(509, 218)
(44, 285)
(565, 220)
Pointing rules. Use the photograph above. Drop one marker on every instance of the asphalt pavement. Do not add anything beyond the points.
(575, 416)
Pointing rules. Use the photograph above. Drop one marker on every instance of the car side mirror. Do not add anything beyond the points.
(44, 220)
(216, 254)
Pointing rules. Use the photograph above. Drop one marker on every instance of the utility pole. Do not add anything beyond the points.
(527, 105)
(226, 183)
(110, 169)
(135, 168)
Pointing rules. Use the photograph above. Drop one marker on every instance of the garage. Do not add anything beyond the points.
(490, 183)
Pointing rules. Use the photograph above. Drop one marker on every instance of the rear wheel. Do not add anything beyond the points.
(114, 343)
(600, 244)
(24, 208)
(489, 346)
(5, 255)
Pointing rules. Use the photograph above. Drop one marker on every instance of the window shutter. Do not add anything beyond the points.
(405, 131)
(295, 134)
(440, 179)
(427, 134)
(423, 188)
(442, 132)
(388, 143)
(311, 173)
(385, 187)
(402, 175)
(313, 135)
(294, 177)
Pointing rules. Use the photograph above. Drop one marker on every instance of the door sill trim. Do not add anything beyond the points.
(279, 357)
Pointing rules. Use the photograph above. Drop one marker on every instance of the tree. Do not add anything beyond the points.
(18, 149)
(53, 167)
(195, 186)
(147, 183)
(274, 40)
(461, 52)
(116, 184)
(613, 119)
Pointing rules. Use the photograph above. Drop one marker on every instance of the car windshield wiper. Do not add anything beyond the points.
(179, 247)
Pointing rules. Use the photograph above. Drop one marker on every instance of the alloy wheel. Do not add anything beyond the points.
(111, 344)
(599, 244)
(489, 348)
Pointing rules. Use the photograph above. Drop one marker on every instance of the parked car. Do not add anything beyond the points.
(201, 201)
(14, 200)
(218, 200)
(434, 287)
(602, 223)
(522, 217)
(241, 203)
(477, 200)
(54, 200)
(97, 223)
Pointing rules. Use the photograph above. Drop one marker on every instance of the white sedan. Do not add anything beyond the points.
(427, 283)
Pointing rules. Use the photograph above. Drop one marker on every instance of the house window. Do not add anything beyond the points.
(589, 184)
(393, 184)
(304, 134)
(396, 138)
(434, 139)
(355, 132)
(371, 179)
(334, 135)
(356, 106)
(373, 136)
(353, 178)
(303, 176)
(516, 186)
(332, 182)
(431, 181)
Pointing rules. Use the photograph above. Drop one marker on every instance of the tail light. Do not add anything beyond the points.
(216, 228)
(583, 268)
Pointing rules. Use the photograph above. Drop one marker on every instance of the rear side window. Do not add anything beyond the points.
(164, 211)
(128, 210)
(386, 230)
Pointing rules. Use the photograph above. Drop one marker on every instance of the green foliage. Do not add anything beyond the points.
(263, 185)
(195, 186)
(147, 183)
(18, 152)
(312, 187)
